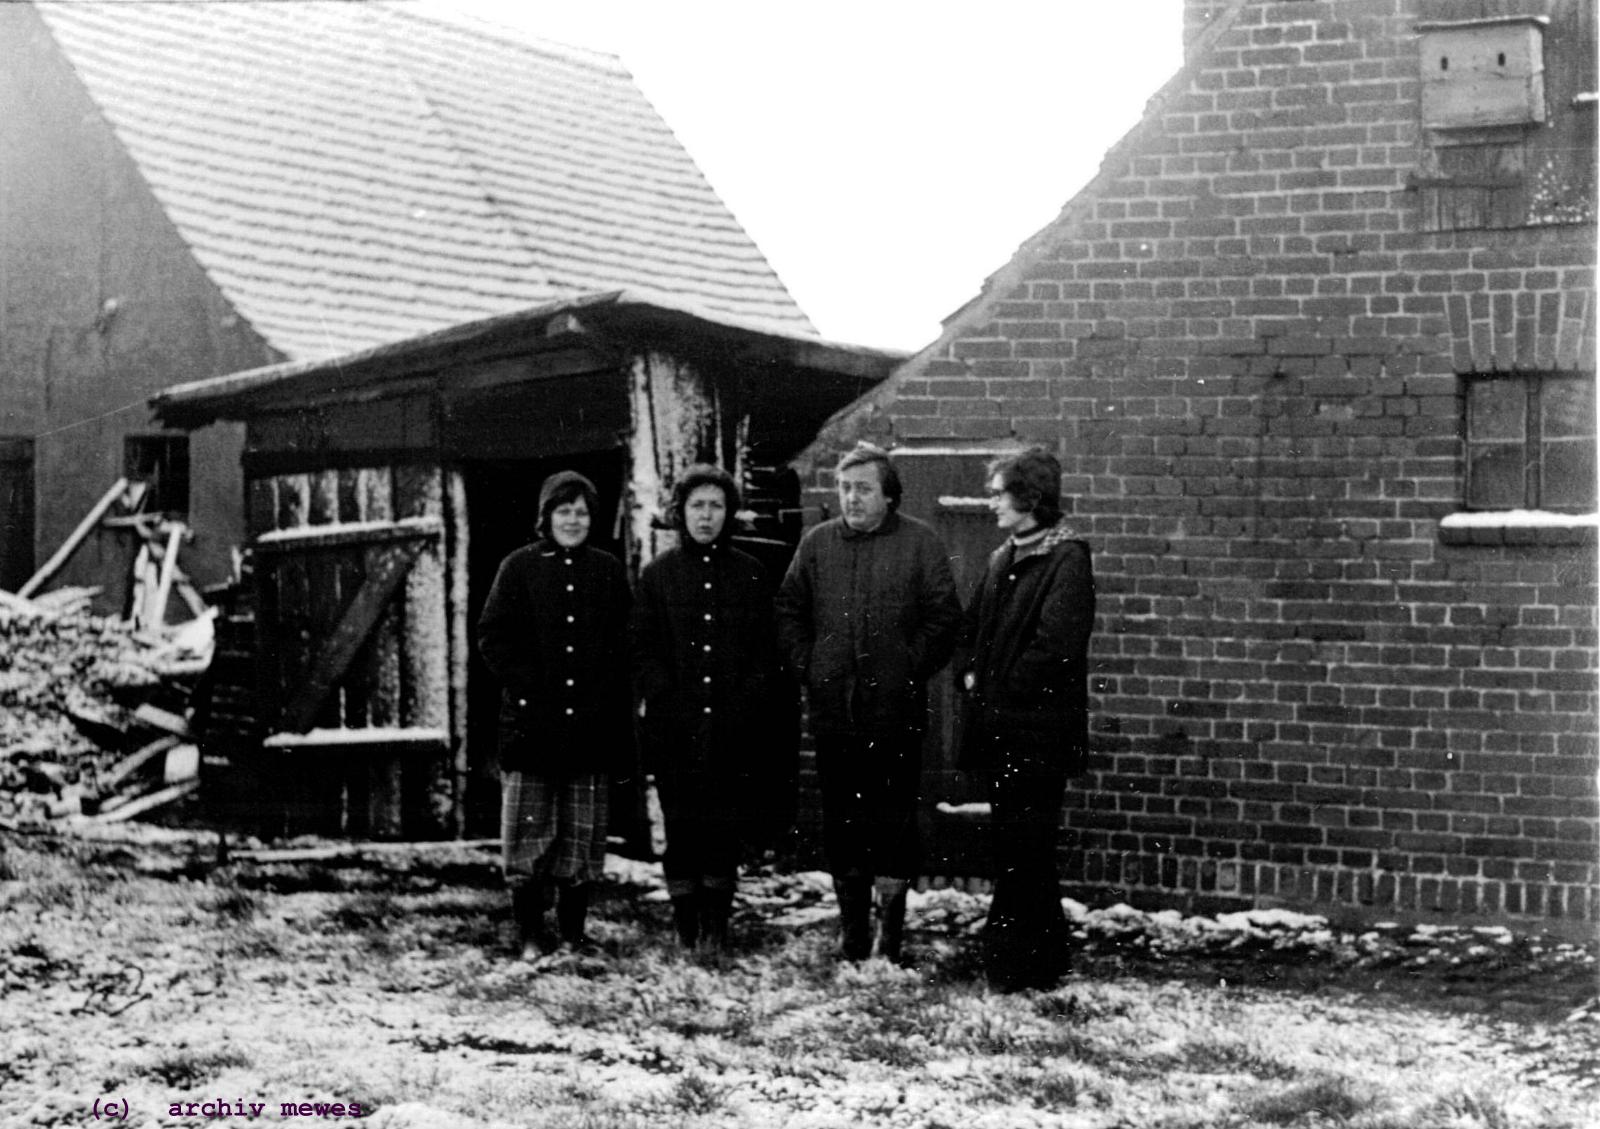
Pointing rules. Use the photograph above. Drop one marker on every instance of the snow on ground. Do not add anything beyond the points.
(393, 984)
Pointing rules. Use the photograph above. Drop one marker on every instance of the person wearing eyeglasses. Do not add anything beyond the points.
(1022, 667)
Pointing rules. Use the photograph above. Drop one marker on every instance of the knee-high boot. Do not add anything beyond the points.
(891, 916)
(716, 906)
(572, 909)
(855, 916)
(530, 901)
(685, 897)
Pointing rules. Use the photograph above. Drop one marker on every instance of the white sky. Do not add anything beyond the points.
(886, 156)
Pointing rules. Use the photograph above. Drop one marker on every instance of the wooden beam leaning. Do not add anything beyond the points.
(156, 617)
(76, 538)
(387, 567)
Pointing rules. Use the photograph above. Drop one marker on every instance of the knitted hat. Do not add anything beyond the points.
(560, 488)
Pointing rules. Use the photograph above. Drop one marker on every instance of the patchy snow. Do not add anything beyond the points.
(377, 981)
(352, 529)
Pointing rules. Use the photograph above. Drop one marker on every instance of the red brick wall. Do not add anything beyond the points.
(1247, 353)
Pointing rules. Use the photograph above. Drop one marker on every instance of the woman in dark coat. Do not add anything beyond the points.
(554, 632)
(705, 658)
(1024, 666)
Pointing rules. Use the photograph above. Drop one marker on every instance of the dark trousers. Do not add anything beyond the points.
(704, 823)
(1026, 938)
(869, 804)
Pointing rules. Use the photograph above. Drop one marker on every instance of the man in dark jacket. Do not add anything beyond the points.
(867, 613)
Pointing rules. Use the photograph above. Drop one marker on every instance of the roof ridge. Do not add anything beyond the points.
(470, 24)
(417, 90)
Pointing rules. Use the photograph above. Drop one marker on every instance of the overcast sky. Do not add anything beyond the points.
(886, 156)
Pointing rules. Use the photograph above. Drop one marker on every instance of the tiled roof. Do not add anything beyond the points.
(354, 173)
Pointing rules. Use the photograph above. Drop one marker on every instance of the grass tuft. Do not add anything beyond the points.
(232, 905)
(184, 1068)
(693, 1095)
(1329, 1097)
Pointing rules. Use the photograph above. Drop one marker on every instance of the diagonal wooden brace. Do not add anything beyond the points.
(386, 568)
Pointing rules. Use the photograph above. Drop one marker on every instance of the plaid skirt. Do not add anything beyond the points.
(553, 827)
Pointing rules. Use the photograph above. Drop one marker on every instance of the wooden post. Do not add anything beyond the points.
(169, 566)
(70, 545)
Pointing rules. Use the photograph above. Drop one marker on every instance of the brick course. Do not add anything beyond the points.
(1248, 353)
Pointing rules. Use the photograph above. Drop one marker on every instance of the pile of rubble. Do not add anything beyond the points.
(92, 712)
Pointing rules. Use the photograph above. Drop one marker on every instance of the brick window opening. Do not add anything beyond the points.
(1531, 443)
(161, 462)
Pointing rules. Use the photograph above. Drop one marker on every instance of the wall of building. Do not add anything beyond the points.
(1249, 355)
(101, 304)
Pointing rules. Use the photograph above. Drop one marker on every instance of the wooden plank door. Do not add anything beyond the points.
(353, 651)
(945, 488)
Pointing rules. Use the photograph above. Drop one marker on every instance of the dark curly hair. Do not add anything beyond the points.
(704, 474)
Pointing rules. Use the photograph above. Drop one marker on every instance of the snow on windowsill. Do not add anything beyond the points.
(1518, 527)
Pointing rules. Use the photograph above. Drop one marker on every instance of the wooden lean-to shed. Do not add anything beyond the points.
(383, 488)
(189, 190)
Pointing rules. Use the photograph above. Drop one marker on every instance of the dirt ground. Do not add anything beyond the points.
(152, 982)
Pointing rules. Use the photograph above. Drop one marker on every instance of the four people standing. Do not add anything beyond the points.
(866, 614)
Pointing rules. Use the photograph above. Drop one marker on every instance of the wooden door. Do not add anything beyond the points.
(353, 650)
(945, 488)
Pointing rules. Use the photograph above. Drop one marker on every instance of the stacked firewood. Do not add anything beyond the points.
(92, 713)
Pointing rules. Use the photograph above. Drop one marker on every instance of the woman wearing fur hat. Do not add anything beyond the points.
(554, 632)
(1024, 666)
(705, 657)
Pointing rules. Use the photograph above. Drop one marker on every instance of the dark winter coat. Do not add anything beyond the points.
(705, 660)
(1025, 642)
(865, 619)
(554, 632)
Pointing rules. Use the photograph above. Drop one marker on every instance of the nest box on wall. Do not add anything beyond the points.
(1483, 73)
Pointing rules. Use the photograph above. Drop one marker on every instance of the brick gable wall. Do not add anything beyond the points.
(1248, 354)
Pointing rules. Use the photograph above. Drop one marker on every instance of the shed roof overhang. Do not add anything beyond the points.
(620, 320)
